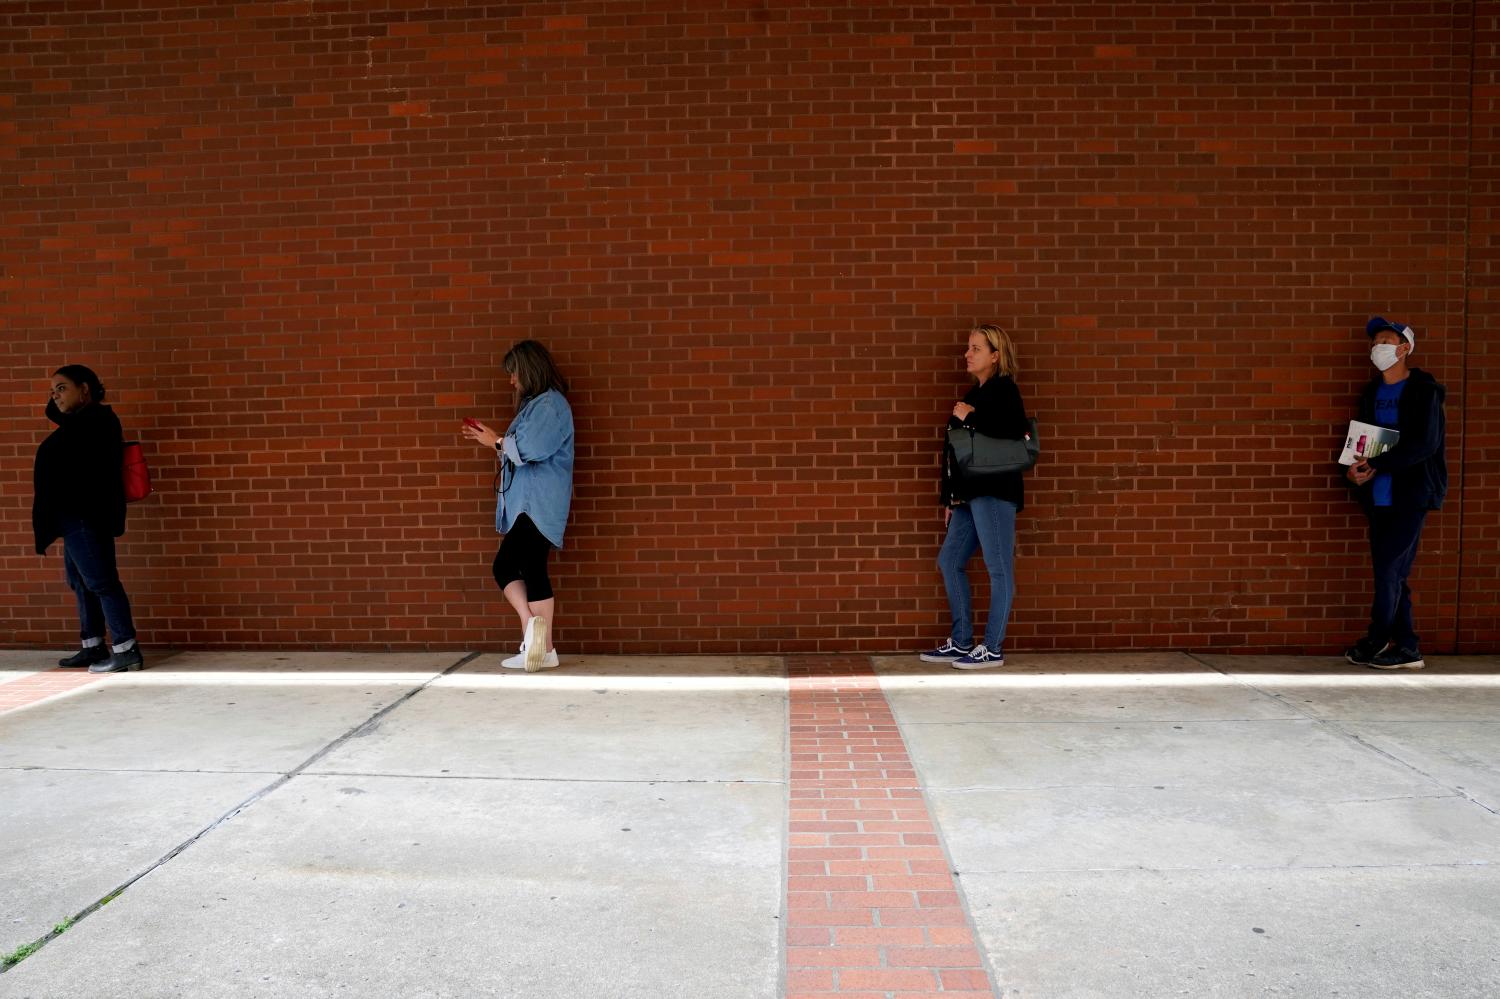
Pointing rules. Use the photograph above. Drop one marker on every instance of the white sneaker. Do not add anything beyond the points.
(548, 661)
(535, 648)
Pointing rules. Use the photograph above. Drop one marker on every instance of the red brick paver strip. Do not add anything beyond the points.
(26, 690)
(872, 910)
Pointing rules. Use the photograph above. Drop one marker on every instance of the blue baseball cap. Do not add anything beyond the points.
(1380, 323)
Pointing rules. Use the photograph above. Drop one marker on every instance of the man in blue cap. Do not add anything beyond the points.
(1397, 488)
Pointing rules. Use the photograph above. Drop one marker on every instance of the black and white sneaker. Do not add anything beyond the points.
(945, 653)
(1397, 657)
(980, 657)
(1364, 650)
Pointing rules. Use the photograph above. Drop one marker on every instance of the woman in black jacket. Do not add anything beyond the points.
(80, 497)
(980, 512)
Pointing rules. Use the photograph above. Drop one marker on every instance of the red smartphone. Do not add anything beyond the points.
(469, 421)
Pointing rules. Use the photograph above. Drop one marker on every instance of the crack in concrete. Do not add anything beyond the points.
(364, 726)
(1396, 797)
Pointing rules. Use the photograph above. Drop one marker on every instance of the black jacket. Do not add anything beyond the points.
(77, 474)
(1418, 470)
(998, 412)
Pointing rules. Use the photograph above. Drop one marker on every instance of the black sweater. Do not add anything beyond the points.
(998, 412)
(1418, 470)
(77, 475)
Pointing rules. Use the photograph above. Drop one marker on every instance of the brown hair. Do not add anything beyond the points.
(534, 369)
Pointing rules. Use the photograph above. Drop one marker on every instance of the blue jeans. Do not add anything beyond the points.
(89, 556)
(1394, 534)
(988, 523)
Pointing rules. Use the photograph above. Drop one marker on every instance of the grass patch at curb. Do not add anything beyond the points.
(20, 954)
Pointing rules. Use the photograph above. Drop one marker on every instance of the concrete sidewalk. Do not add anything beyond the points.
(430, 825)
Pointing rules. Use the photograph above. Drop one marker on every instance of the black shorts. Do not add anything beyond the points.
(523, 555)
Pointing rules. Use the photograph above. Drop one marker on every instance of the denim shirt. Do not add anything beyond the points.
(540, 483)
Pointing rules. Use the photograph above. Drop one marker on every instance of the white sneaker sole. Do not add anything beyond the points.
(1418, 664)
(536, 644)
(989, 665)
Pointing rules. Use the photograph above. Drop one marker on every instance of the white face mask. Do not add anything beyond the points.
(1383, 355)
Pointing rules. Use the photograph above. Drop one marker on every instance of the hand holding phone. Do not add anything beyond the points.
(469, 421)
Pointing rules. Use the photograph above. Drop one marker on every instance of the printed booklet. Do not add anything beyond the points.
(1366, 441)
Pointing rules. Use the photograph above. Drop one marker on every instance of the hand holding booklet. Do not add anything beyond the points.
(1365, 440)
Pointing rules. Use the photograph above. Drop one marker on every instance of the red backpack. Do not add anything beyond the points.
(136, 475)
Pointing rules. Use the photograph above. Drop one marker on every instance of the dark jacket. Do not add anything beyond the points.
(1418, 470)
(998, 412)
(77, 474)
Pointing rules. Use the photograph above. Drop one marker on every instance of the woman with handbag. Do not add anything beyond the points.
(80, 497)
(980, 509)
(535, 489)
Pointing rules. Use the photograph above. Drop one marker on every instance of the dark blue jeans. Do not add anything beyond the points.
(89, 556)
(1394, 534)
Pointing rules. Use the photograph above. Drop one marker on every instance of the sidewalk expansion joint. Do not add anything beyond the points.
(541, 780)
(1174, 787)
(1202, 869)
(364, 726)
(1027, 789)
(1007, 723)
(27, 768)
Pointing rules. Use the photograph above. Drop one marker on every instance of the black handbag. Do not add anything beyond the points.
(974, 454)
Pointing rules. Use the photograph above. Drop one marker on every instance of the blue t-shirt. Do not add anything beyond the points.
(1386, 399)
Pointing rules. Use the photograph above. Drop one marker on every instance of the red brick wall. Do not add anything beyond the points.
(1479, 610)
(295, 239)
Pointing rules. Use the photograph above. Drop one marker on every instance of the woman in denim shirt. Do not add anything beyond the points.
(535, 490)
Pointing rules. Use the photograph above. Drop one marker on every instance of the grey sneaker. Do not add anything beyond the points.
(121, 662)
(85, 657)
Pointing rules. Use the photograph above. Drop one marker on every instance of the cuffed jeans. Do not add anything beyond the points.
(1394, 534)
(89, 556)
(982, 523)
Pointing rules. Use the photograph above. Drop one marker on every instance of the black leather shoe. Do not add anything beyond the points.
(85, 657)
(120, 662)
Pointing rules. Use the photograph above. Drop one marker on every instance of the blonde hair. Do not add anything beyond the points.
(1000, 343)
